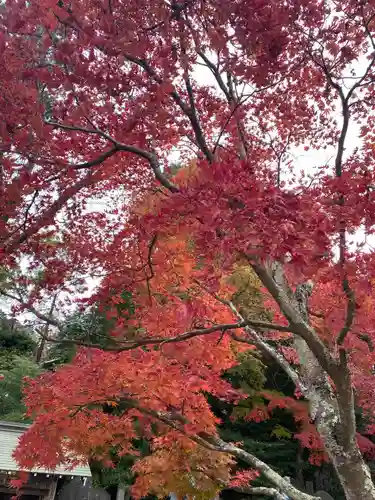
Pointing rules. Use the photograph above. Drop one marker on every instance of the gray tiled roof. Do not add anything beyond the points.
(9, 434)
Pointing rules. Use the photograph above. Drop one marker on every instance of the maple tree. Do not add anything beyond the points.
(95, 96)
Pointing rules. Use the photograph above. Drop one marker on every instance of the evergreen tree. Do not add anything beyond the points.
(17, 348)
(14, 337)
(13, 369)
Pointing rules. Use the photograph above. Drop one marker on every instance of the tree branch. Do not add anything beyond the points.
(193, 115)
(350, 312)
(264, 325)
(96, 161)
(48, 319)
(40, 349)
(297, 324)
(260, 490)
(341, 201)
(216, 73)
(214, 443)
(133, 344)
(262, 467)
(263, 346)
(233, 102)
(151, 157)
(247, 490)
(50, 213)
(189, 111)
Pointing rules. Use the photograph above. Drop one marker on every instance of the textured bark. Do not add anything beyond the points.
(331, 409)
(121, 491)
(354, 476)
(261, 490)
(334, 414)
(281, 483)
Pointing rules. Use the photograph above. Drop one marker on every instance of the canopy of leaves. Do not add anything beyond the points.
(14, 369)
(95, 96)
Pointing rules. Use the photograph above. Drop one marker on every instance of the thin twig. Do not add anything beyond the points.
(350, 312)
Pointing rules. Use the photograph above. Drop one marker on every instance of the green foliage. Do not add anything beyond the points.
(281, 432)
(14, 338)
(105, 477)
(248, 297)
(249, 374)
(16, 362)
(14, 368)
(126, 307)
(92, 327)
(121, 473)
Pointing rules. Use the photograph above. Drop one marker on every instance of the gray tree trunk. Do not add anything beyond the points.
(334, 415)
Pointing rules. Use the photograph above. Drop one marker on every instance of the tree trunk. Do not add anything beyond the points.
(354, 476)
(120, 493)
(352, 471)
(333, 414)
(52, 491)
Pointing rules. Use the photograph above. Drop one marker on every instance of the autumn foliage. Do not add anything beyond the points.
(96, 96)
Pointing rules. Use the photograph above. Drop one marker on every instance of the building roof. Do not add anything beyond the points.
(9, 435)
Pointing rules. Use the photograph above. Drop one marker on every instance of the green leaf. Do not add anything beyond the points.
(281, 432)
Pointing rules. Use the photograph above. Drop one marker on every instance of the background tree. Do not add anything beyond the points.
(14, 369)
(90, 326)
(15, 338)
(17, 349)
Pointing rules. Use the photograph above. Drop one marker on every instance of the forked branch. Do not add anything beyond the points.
(214, 443)
(150, 156)
(255, 338)
(297, 324)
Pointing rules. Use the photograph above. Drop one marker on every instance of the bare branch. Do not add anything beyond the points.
(265, 325)
(226, 123)
(78, 128)
(216, 73)
(133, 344)
(350, 312)
(40, 350)
(263, 346)
(193, 115)
(365, 338)
(149, 264)
(260, 490)
(151, 157)
(262, 467)
(247, 490)
(189, 111)
(48, 319)
(96, 161)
